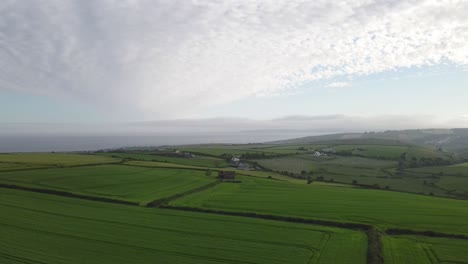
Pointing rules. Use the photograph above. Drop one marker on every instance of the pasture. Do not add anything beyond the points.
(384, 209)
(199, 161)
(55, 159)
(127, 183)
(419, 249)
(372, 151)
(18, 166)
(39, 228)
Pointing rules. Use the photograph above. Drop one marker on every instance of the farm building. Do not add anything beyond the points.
(227, 175)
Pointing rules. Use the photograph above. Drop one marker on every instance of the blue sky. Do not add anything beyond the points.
(439, 91)
(79, 61)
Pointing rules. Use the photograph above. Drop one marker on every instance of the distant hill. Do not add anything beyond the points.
(449, 139)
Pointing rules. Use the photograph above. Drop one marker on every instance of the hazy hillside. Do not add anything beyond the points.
(449, 139)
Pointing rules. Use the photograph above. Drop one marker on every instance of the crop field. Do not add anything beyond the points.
(428, 153)
(448, 179)
(55, 159)
(251, 173)
(357, 162)
(419, 249)
(373, 151)
(215, 221)
(380, 208)
(219, 151)
(327, 166)
(40, 228)
(293, 149)
(128, 183)
(195, 161)
(453, 170)
(157, 164)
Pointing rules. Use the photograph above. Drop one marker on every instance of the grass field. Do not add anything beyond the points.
(451, 180)
(18, 166)
(380, 208)
(418, 249)
(55, 159)
(195, 161)
(373, 151)
(119, 182)
(328, 167)
(232, 150)
(454, 170)
(39, 228)
(44, 228)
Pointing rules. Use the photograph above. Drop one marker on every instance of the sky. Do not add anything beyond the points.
(116, 61)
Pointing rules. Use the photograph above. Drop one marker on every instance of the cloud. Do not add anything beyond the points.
(169, 58)
(338, 84)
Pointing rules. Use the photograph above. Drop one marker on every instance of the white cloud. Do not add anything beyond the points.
(171, 57)
(338, 84)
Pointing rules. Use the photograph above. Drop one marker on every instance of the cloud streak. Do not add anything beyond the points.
(169, 58)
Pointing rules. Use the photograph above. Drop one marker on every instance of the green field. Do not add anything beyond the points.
(128, 183)
(372, 151)
(231, 150)
(195, 161)
(18, 166)
(39, 228)
(327, 165)
(55, 159)
(419, 249)
(46, 228)
(380, 208)
(453, 170)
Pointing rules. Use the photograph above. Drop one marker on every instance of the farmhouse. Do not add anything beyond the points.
(227, 175)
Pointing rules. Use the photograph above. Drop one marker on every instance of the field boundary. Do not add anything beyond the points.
(428, 233)
(57, 166)
(164, 201)
(67, 194)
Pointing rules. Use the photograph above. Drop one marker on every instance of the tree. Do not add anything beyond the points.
(208, 173)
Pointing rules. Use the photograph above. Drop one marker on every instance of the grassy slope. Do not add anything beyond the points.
(381, 208)
(112, 181)
(418, 249)
(55, 159)
(50, 229)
